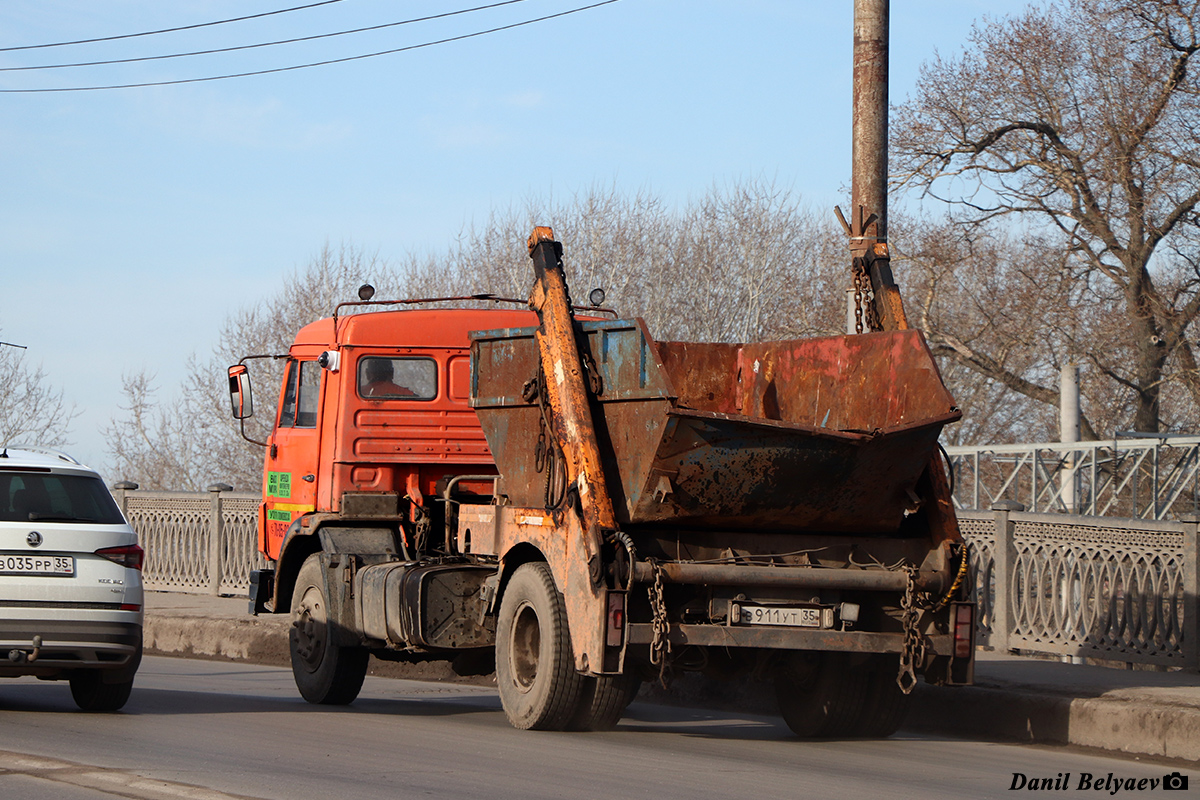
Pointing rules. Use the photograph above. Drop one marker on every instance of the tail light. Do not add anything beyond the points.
(616, 619)
(130, 555)
(964, 629)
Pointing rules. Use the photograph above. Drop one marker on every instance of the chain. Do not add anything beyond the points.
(595, 380)
(913, 654)
(547, 457)
(864, 312)
(858, 299)
(660, 645)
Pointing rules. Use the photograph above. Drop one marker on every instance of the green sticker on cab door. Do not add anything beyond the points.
(279, 484)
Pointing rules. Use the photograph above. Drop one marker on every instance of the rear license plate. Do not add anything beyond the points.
(788, 617)
(60, 566)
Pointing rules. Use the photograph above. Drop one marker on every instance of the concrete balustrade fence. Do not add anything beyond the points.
(197, 542)
(1090, 587)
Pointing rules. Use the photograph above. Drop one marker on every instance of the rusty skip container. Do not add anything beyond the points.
(824, 435)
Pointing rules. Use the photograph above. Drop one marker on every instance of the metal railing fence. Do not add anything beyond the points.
(1142, 478)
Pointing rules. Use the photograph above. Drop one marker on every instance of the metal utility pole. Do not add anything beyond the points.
(1068, 406)
(867, 227)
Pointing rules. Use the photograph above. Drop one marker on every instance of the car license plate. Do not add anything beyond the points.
(771, 615)
(61, 566)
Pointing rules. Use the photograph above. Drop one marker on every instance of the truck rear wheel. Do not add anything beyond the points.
(535, 668)
(886, 706)
(325, 672)
(820, 696)
(602, 702)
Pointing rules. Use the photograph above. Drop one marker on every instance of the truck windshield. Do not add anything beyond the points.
(397, 378)
(56, 497)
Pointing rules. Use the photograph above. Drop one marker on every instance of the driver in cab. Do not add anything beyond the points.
(378, 380)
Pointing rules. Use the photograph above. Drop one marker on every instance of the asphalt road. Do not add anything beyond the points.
(207, 730)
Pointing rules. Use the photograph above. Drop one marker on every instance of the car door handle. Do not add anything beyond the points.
(309, 478)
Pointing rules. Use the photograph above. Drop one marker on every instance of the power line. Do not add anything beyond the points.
(168, 30)
(262, 44)
(311, 64)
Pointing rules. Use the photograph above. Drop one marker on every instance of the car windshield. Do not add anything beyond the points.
(56, 497)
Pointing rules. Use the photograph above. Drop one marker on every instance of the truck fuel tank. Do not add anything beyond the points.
(438, 606)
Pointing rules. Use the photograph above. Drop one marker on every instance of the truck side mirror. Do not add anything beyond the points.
(240, 393)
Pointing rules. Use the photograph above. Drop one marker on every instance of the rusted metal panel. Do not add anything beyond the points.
(826, 434)
(477, 530)
(560, 540)
(714, 471)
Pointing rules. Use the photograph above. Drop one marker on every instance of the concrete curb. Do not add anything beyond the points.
(260, 640)
(1146, 721)
(1114, 721)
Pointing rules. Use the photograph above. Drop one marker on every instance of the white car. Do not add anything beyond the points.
(70, 579)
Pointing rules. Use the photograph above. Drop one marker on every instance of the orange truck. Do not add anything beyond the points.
(553, 494)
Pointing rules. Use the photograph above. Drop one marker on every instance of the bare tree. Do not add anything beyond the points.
(1082, 117)
(31, 410)
(152, 446)
(746, 261)
(1003, 310)
(755, 263)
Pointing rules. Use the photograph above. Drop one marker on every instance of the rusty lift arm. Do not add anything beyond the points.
(563, 381)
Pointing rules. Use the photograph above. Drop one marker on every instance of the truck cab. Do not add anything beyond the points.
(373, 421)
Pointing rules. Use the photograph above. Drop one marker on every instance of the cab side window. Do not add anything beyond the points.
(406, 378)
(300, 397)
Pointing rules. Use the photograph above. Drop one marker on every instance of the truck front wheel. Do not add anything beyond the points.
(325, 672)
(535, 668)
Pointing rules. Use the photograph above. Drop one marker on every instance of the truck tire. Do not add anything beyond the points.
(820, 696)
(885, 707)
(602, 701)
(326, 673)
(535, 668)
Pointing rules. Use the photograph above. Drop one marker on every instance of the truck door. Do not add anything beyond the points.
(290, 488)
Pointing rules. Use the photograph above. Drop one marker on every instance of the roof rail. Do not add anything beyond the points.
(50, 451)
(482, 297)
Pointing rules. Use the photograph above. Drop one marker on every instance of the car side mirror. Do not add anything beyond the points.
(240, 393)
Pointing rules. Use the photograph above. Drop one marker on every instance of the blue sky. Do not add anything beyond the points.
(133, 221)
